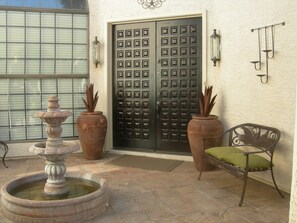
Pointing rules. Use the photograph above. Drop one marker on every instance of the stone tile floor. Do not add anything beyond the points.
(140, 196)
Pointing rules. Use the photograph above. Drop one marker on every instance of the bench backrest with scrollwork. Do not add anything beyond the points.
(260, 136)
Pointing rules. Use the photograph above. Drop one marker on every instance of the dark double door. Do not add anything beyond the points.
(157, 74)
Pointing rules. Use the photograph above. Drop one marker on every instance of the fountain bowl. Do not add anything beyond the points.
(75, 210)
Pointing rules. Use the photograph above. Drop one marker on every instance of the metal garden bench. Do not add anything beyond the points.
(250, 149)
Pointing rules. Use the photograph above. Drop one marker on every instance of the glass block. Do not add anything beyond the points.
(44, 133)
(15, 18)
(33, 86)
(80, 36)
(32, 19)
(78, 102)
(15, 50)
(33, 35)
(32, 67)
(2, 66)
(80, 21)
(4, 104)
(47, 19)
(75, 130)
(65, 85)
(63, 35)
(80, 67)
(47, 67)
(4, 136)
(17, 102)
(33, 51)
(77, 112)
(65, 101)
(16, 34)
(64, 20)
(63, 67)
(67, 130)
(17, 118)
(63, 51)
(47, 35)
(49, 86)
(18, 133)
(80, 51)
(79, 85)
(15, 66)
(4, 85)
(68, 121)
(47, 51)
(34, 132)
(2, 18)
(31, 118)
(2, 34)
(16, 86)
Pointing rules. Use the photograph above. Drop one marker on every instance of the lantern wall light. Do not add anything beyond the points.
(215, 47)
(96, 52)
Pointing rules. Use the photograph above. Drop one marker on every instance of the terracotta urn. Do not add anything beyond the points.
(91, 128)
(199, 128)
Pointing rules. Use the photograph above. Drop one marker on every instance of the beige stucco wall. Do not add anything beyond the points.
(241, 96)
(293, 200)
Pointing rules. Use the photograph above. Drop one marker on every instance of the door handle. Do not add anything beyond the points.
(158, 108)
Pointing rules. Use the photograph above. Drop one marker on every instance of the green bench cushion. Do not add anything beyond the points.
(236, 157)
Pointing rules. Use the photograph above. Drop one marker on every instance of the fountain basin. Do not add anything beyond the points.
(74, 210)
(65, 148)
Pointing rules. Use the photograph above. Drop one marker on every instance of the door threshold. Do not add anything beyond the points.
(154, 154)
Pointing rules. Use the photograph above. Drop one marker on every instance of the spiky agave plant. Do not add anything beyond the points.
(206, 102)
(92, 99)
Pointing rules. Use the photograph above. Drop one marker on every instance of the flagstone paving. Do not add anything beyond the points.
(143, 196)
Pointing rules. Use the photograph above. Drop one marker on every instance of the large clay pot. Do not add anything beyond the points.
(203, 127)
(91, 128)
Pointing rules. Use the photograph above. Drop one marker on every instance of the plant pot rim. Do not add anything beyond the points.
(92, 113)
(210, 117)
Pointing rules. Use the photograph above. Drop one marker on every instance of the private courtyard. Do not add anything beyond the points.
(147, 62)
(150, 196)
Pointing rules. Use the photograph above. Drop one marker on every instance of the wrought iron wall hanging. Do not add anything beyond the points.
(268, 50)
(150, 4)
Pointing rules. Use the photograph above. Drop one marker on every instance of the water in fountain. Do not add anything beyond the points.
(50, 196)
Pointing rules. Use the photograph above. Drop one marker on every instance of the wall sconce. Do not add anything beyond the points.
(215, 47)
(96, 50)
(268, 52)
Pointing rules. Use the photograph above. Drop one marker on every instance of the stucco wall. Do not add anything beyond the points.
(241, 96)
(293, 200)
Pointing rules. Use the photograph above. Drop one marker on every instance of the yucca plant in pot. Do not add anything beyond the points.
(204, 129)
(91, 126)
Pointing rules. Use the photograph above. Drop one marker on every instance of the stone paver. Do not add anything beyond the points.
(140, 196)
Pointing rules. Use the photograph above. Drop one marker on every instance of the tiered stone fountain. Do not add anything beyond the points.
(54, 196)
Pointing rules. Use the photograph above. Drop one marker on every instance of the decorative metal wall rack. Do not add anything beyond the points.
(151, 4)
(269, 52)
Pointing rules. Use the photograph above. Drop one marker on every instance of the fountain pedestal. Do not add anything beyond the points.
(55, 169)
(55, 150)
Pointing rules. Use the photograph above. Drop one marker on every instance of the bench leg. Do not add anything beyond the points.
(276, 187)
(5, 152)
(245, 178)
(200, 173)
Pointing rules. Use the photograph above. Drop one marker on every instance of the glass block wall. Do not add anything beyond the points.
(41, 54)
